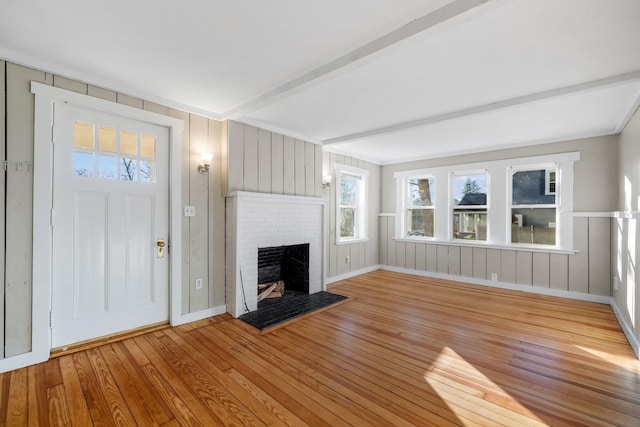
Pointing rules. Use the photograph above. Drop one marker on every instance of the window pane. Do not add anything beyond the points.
(421, 192)
(348, 186)
(469, 190)
(107, 139)
(148, 146)
(83, 164)
(470, 224)
(420, 222)
(347, 222)
(533, 226)
(529, 188)
(147, 171)
(128, 169)
(107, 166)
(128, 142)
(83, 135)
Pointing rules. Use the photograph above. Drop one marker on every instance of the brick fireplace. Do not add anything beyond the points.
(257, 220)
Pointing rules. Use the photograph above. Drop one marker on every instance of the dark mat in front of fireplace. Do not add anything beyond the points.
(274, 311)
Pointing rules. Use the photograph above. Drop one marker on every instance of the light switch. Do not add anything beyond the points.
(189, 211)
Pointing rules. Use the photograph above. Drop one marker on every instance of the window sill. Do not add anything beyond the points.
(348, 242)
(477, 244)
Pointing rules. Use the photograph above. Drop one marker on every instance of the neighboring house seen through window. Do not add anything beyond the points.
(470, 206)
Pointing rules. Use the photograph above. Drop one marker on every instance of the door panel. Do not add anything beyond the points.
(110, 207)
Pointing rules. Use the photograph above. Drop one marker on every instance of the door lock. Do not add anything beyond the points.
(161, 244)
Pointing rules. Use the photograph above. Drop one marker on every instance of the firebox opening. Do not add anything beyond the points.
(287, 263)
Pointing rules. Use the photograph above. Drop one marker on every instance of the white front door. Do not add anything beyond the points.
(110, 219)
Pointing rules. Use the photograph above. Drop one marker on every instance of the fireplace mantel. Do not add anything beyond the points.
(256, 220)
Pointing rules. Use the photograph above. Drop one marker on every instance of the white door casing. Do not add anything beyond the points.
(110, 208)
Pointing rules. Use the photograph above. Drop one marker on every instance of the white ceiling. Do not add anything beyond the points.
(379, 80)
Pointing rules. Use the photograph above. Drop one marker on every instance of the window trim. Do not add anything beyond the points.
(498, 201)
(361, 203)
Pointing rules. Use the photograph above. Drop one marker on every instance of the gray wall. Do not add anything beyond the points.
(626, 231)
(364, 254)
(203, 235)
(587, 271)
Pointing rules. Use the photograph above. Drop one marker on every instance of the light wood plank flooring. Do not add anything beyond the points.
(404, 350)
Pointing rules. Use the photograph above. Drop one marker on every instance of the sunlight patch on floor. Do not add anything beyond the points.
(626, 362)
(466, 391)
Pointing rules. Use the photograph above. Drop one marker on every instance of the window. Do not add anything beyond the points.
(470, 206)
(521, 202)
(533, 206)
(351, 194)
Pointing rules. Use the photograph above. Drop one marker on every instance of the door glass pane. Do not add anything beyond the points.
(83, 164)
(107, 167)
(347, 222)
(148, 146)
(127, 169)
(348, 190)
(146, 171)
(83, 135)
(128, 142)
(529, 188)
(533, 226)
(106, 139)
(420, 222)
(421, 192)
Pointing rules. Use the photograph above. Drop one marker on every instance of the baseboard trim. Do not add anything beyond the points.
(628, 331)
(334, 279)
(199, 315)
(504, 285)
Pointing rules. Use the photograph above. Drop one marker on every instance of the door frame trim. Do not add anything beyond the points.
(45, 99)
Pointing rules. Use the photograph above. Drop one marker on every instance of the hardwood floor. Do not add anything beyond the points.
(404, 350)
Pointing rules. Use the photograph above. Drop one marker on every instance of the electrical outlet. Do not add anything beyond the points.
(198, 283)
(494, 277)
(189, 211)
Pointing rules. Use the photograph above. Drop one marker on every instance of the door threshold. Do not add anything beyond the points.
(107, 339)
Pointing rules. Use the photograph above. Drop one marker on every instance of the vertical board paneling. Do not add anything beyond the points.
(524, 266)
(299, 172)
(129, 100)
(156, 108)
(198, 191)
(392, 242)
(101, 93)
(185, 188)
(508, 266)
(494, 258)
(410, 256)
(541, 267)
(277, 164)
(72, 85)
(235, 144)
(373, 201)
(443, 259)
(432, 257)
(250, 158)
(466, 261)
(600, 256)
(289, 165)
(559, 271)
(362, 255)
(401, 254)
(579, 262)
(19, 205)
(318, 159)
(331, 193)
(216, 218)
(310, 169)
(421, 257)
(224, 158)
(479, 263)
(2, 208)
(264, 161)
(344, 251)
(454, 260)
(355, 257)
(383, 241)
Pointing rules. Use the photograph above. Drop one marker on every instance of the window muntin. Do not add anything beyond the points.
(102, 152)
(469, 199)
(534, 211)
(351, 207)
(419, 206)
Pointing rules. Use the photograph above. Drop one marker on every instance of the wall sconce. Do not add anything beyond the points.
(326, 180)
(206, 162)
